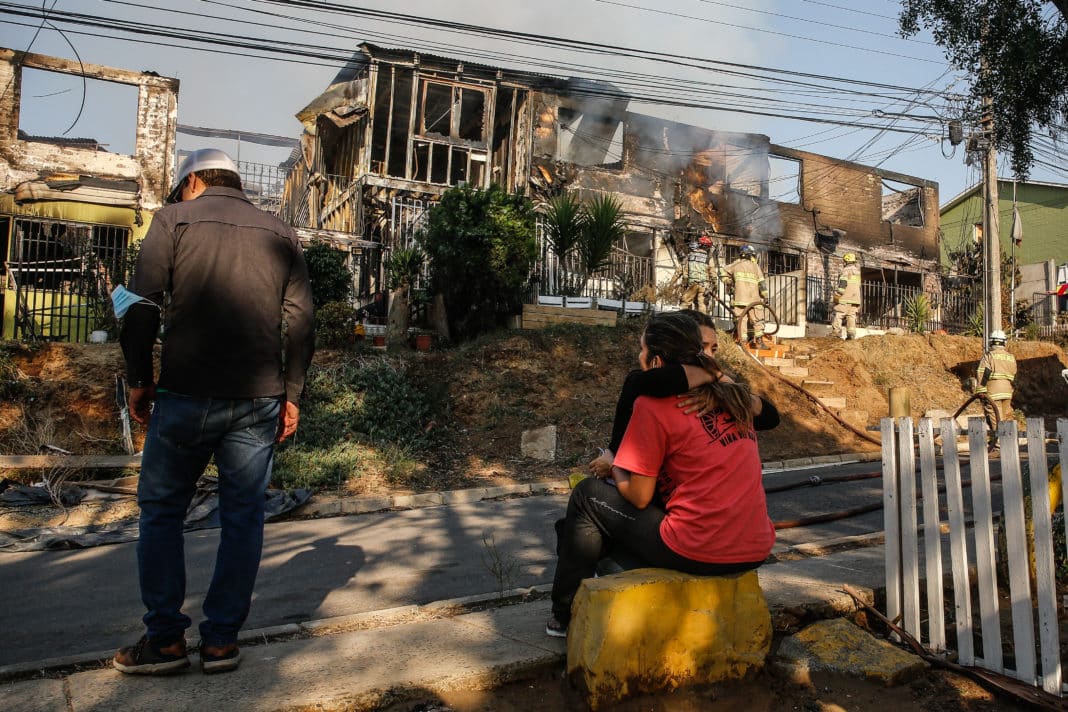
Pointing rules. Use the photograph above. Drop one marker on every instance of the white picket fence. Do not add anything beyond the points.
(906, 537)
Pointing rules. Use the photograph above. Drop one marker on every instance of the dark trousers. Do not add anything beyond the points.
(600, 523)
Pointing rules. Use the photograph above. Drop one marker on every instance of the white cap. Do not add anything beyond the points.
(205, 159)
(997, 336)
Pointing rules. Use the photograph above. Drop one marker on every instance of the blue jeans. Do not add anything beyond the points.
(183, 435)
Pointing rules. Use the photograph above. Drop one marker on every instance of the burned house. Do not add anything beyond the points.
(397, 128)
(69, 208)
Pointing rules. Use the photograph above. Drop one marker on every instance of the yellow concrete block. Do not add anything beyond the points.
(650, 630)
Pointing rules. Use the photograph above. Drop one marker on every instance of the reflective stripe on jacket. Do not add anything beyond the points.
(849, 285)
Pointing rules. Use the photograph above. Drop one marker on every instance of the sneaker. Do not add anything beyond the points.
(151, 658)
(219, 658)
(555, 628)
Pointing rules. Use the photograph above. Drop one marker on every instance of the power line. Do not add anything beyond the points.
(771, 32)
(649, 94)
(850, 9)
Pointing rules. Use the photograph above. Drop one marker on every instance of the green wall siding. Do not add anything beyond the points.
(1043, 211)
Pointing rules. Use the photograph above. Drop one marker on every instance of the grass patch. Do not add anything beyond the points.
(364, 416)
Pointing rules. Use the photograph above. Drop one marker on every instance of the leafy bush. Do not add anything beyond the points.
(335, 323)
(481, 248)
(330, 278)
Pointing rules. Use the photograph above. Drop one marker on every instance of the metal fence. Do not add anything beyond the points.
(625, 273)
(886, 305)
(62, 273)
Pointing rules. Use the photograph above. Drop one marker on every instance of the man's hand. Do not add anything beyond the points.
(287, 421)
(139, 401)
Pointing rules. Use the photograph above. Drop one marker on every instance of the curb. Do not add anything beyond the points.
(362, 504)
(401, 614)
(308, 629)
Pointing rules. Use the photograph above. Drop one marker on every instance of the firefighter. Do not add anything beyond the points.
(847, 298)
(747, 280)
(699, 276)
(995, 377)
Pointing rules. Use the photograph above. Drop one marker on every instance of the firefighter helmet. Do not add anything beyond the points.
(997, 338)
(749, 251)
(704, 241)
(849, 258)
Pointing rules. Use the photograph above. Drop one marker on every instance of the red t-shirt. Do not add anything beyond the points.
(709, 477)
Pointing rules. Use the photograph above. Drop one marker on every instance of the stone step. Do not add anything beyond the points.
(780, 362)
(834, 402)
(793, 371)
(814, 382)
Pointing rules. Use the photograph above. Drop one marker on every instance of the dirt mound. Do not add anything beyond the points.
(568, 376)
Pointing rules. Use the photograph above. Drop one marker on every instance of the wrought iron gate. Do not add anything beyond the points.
(62, 274)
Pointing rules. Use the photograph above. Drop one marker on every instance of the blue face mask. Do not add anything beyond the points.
(122, 299)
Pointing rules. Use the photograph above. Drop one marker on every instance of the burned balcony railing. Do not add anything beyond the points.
(304, 198)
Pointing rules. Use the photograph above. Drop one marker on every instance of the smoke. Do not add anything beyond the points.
(722, 176)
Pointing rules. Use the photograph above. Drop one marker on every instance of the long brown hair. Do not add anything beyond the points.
(676, 338)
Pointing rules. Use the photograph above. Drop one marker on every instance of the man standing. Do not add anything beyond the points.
(698, 275)
(995, 377)
(745, 275)
(237, 343)
(847, 298)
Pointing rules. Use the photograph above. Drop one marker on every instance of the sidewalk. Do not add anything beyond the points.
(355, 661)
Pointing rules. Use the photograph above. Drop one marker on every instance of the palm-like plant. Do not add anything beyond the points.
(918, 312)
(564, 222)
(602, 228)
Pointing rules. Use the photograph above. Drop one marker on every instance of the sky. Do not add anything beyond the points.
(829, 42)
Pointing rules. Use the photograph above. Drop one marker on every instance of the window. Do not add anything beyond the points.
(454, 111)
(784, 183)
(902, 204)
(783, 262)
(450, 147)
(50, 106)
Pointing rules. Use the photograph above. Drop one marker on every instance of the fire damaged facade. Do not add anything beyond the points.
(69, 208)
(397, 128)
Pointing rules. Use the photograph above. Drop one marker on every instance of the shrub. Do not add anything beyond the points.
(917, 313)
(602, 227)
(403, 266)
(335, 323)
(346, 408)
(330, 278)
(481, 248)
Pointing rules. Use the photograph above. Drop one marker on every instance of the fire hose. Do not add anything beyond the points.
(848, 426)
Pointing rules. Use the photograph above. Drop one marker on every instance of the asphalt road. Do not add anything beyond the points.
(59, 603)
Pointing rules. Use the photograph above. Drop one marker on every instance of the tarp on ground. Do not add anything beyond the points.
(203, 514)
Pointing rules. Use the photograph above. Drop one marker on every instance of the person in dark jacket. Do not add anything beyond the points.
(229, 386)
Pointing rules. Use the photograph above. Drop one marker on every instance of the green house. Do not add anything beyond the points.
(1042, 253)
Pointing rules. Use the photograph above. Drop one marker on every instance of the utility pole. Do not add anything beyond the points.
(991, 241)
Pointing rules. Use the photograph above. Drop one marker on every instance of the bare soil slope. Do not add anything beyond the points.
(63, 395)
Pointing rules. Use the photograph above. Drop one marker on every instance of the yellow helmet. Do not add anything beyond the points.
(849, 258)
